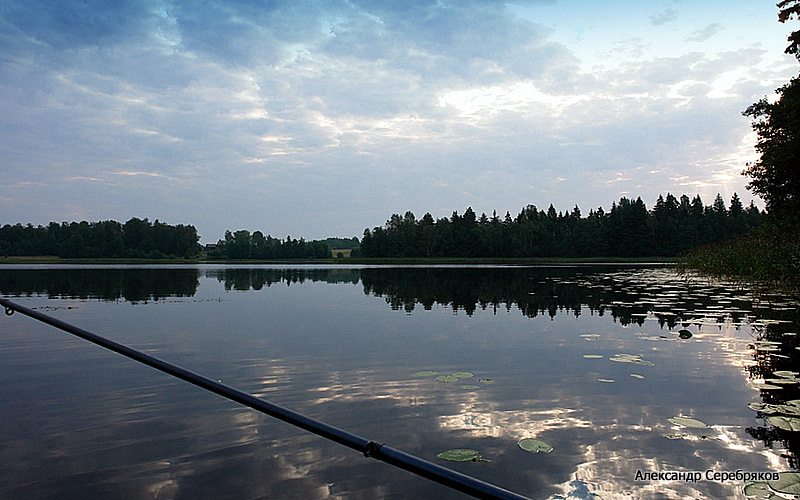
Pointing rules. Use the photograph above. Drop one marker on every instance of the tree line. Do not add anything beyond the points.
(137, 238)
(142, 239)
(244, 245)
(628, 229)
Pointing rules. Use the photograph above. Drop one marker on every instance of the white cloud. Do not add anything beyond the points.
(664, 17)
(704, 34)
(374, 106)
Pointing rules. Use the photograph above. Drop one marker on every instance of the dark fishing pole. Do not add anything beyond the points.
(385, 453)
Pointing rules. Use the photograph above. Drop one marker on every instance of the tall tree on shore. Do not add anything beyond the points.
(776, 175)
(790, 9)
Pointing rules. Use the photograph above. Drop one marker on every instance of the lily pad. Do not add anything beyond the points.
(759, 490)
(636, 375)
(660, 338)
(630, 358)
(781, 381)
(763, 407)
(788, 410)
(606, 380)
(788, 482)
(425, 374)
(454, 377)
(593, 356)
(460, 455)
(688, 422)
(534, 445)
(684, 334)
(785, 423)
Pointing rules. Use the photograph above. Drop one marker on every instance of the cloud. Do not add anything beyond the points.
(664, 17)
(704, 34)
(74, 25)
(277, 114)
(465, 41)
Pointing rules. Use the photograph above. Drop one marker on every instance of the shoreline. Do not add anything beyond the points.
(668, 261)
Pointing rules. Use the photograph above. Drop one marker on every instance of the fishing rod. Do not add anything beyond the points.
(370, 449)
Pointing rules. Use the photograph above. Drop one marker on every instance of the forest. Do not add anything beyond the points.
(628, 229)
(243, 245)
(142, 239)
(137, 238)
(673, 227)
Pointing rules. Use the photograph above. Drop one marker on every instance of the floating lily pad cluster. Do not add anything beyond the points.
(622, 358)
(780, 379)
(531, 445)
(784, 416)
(788, 483)
(456, 377)
(788, 408)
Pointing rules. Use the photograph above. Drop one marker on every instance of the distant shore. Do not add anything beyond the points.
(353, 260)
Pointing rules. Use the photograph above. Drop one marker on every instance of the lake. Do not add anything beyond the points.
(631, 373)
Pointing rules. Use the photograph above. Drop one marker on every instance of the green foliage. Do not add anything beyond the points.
(460, 455)
(533, 445)
(141, 239)
(769, 254)
(776, 176)
(106, 239)
(790, 9)
(628, 229)
(243, 245)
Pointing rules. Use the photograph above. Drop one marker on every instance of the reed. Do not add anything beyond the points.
(769, 254)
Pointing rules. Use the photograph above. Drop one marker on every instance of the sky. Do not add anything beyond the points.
(319, 119)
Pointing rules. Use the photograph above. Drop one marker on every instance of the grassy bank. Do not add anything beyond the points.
(768, 255)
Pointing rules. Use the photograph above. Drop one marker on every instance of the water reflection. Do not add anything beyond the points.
(134, 284)
(593, 360)
(258, 278)
(626, 294)
(774, 353)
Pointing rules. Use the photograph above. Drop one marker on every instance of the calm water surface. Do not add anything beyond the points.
(589, 359)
